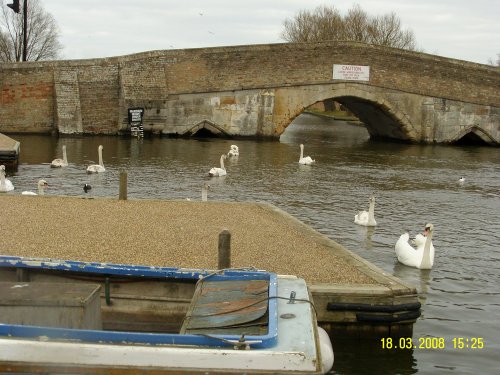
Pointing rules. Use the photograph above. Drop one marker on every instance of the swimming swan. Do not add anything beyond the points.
(423, 256)
(58, 163)
(97, 168)
(5, 184)
(234, 151)
(42, 184)
(217, 172)
(367, 218)
(305, 160)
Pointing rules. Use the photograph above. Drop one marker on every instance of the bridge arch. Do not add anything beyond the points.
(474, 134)
(205, 128)
(381, 117)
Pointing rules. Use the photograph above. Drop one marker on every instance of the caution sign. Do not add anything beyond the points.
(351, 72)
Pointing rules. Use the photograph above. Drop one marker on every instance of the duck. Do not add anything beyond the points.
(58, 163)
(42, 185)
(234, 151)
(218, 172)
(461, 180)
(367, 218)
(421, 257)
(87, 188)
(97, 168)
(305, 160)
(5, 184)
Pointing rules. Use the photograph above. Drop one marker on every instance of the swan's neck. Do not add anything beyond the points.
(222, 162)
(426, 257)
(301, 151)
(40, 190)
(100, 158)
(371, 211)
(65, 158)
(2, 179)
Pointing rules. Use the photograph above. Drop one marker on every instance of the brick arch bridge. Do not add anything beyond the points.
(254, 91)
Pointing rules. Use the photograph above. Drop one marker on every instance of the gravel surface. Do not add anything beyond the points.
(169, 233)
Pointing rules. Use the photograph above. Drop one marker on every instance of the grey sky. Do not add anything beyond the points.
(465, 30)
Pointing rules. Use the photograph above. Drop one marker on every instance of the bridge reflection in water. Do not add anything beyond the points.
(413, 184)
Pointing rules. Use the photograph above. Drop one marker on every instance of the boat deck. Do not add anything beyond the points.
(185, 234)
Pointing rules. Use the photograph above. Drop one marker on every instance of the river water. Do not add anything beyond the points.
(413, 185)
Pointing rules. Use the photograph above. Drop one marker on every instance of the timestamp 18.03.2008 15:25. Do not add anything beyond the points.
(432, 343)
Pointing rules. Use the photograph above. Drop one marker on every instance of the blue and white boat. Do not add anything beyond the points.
(60, 316)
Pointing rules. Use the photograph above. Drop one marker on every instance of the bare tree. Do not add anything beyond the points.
(326, 23)
(494, 63)
(42, 37)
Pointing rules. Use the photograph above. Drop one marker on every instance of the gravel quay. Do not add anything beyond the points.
(182, 234)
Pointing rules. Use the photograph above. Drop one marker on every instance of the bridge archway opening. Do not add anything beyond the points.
(206, 129)
(380, 120)
(474, 136)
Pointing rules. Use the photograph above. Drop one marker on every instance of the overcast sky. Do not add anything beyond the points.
(461, 29)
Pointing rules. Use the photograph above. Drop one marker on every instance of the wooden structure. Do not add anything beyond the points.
(9, 152)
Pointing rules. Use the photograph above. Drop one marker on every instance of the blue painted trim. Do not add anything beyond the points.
(119, 337)
(127, 269)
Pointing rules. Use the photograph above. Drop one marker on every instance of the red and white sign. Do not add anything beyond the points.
(351, 72)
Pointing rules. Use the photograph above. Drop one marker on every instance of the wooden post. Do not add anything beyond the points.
(224, 249)
(123, 186)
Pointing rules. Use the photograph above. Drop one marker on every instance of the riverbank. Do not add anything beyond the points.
(336, 115)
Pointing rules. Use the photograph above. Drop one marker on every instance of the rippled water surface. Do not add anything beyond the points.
(413, 185)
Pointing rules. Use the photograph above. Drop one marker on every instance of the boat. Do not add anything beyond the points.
(63, 316)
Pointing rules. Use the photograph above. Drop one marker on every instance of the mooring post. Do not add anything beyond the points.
(123, 186)
(224, 249)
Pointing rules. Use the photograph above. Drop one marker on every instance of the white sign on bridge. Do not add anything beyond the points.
(351, 72)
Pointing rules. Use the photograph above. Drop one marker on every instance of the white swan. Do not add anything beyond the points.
(367, 218)
(234, 151)
(42, 184)
(423, 256)
(97, 168)
(58, 163)
(217, 172)
(5, 184)
(305, 160)
(204, 192)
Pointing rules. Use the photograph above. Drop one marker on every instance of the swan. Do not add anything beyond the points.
(367, 218)
(5, 184)
(305, 160)
(234, 151)
(217, 172)
(42, 184)
(97, 168)
(58, 163)
(423, 256)
(204, 192)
